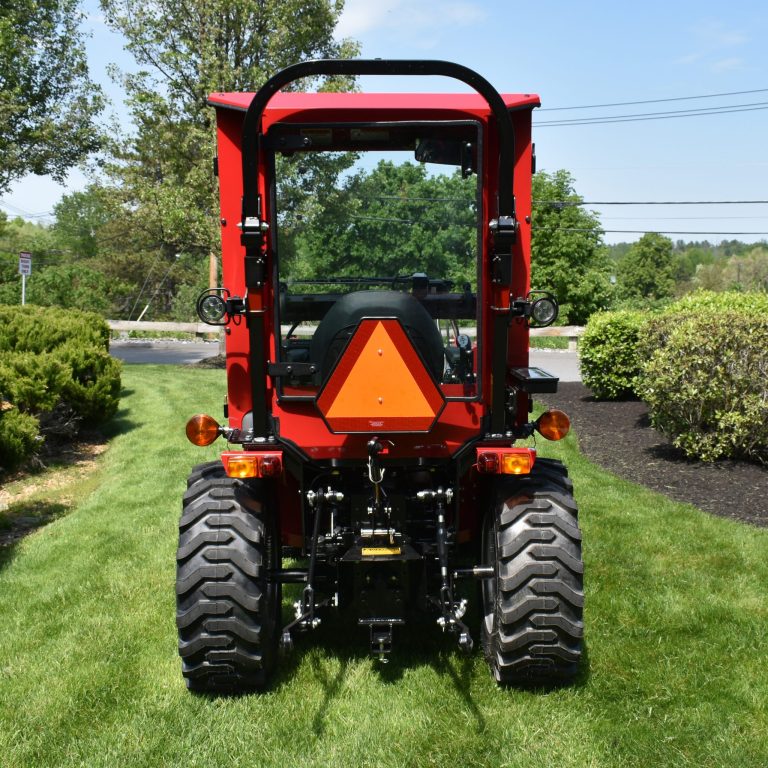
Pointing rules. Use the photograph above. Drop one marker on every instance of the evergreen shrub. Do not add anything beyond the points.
(51, 359)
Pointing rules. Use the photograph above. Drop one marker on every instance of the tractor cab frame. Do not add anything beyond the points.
(378, 416)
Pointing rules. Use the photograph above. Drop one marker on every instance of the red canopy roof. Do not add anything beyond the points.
(297, 102)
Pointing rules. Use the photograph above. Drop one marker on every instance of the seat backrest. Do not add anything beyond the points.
(343, 317)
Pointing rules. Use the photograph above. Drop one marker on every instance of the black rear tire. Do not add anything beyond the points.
(228, 612)
(532, 624)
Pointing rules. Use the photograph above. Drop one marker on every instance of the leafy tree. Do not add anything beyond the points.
(750, 271)
(395, 219)
(745, 272)
(60, 275)
(647, 271)
(18, 235)
(567, 256)
(47, 101)
(80, 216)
(164, 168)
(71, 286)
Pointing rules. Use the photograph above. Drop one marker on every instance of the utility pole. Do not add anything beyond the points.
(213, 270)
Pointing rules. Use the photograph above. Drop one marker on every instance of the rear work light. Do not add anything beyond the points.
(253, 464)
(202, 429)
(505, 461)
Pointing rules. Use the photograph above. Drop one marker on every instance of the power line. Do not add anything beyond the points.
(654, 101)
(402, 198)
(574, 202)
(644, 231)
(20, 211)
(570, 203)
(641, 117)
(680, 218)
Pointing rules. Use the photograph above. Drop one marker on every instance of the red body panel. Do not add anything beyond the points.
(300, 422)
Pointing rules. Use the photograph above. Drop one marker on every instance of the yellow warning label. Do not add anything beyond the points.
(373, 551)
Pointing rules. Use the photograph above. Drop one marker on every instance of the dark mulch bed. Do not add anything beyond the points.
(618, 437)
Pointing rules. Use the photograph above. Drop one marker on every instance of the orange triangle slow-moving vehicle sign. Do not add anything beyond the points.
(380, 384)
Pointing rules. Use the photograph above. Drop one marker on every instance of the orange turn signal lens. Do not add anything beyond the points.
(516, 463)
(202, 429)
(505, 461)
(554, 424)
(253, 464)
(243, 466)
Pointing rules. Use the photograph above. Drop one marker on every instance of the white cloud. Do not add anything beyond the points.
(715, 35)
(691, 58)
(407, 17)
(711, 40)
(359, 16)
(727, 65)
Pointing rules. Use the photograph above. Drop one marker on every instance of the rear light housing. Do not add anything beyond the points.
(248, 464)
(505, 461)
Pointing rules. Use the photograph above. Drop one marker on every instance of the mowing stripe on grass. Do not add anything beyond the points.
(676, 674)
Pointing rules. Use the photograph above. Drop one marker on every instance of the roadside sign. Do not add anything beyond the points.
(25, 263)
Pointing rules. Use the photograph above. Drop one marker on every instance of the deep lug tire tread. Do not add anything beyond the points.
(227, 615)
(536, 630)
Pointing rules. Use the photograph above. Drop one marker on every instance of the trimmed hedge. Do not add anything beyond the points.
(701, 365)
(42, 329)
(751, 303)
(608, 353)
(18, 438)
(705, 376)
(52, 360)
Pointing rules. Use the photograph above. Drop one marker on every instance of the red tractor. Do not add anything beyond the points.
(377, 415)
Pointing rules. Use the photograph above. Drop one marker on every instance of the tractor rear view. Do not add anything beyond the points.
(377, 411)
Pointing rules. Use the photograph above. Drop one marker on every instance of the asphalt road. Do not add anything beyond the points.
(560, 363)
(163, 352)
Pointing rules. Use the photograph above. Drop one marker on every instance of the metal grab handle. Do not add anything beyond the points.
(252, 122)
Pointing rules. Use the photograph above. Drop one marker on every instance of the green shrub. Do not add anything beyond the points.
(42, 329)
(18, 438)
(33, 382)
(53, 359)
(608, 353)
(659, 326)
(752, 303)
(706, 377)
(93, 387)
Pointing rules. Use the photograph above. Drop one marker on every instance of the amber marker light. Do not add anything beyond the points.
(202, 429)
(505, 461)
(554, 424)
(517, 463)
(253, 464)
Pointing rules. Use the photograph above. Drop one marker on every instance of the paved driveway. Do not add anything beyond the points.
(558, 362)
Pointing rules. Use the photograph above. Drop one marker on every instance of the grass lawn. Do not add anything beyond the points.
(676, 617)
(548, 342)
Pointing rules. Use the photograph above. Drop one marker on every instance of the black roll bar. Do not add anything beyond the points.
(251, 137)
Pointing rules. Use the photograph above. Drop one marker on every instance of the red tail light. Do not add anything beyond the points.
(253, 464)
(505, 461)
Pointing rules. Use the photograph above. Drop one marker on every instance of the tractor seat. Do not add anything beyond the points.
(343, 317)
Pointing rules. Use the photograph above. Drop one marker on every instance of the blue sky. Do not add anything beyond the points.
(572, 55)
